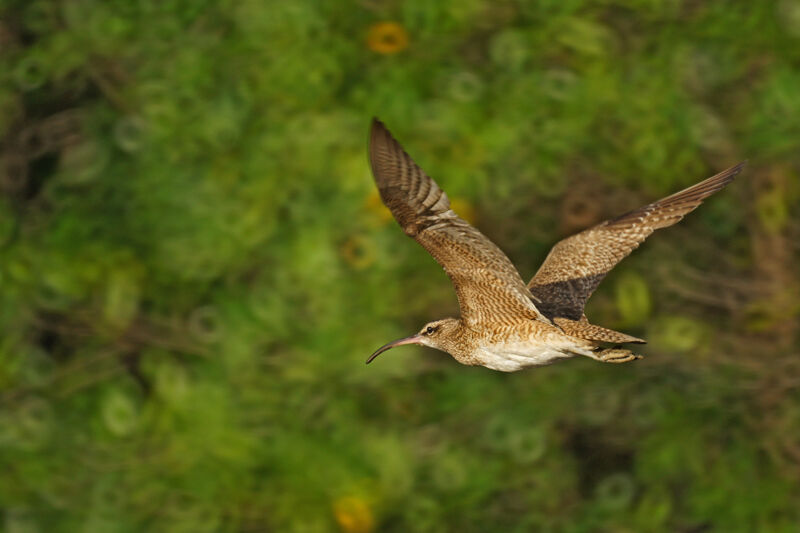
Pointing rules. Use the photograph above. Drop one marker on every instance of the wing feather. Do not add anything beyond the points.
(575, 266)
(488, 286)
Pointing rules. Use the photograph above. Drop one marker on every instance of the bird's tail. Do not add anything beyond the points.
(583, 330)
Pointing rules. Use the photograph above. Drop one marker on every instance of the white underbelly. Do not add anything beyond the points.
(511, 357)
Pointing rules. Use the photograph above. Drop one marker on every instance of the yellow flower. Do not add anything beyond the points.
(353, 515)
(463, 208)
(387, 38)
(374, 205)
(358, 252)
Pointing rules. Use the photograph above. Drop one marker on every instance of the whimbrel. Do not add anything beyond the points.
(504, 324)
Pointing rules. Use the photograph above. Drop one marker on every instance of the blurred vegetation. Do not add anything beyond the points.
(194, 265)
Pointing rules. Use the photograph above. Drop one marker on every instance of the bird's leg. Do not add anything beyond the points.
(614, 355)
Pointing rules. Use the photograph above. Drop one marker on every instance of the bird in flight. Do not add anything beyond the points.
(505, 324)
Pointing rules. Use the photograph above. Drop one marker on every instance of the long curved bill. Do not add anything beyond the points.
(413, 339)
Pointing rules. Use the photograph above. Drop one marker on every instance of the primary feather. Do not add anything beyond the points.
(575, 266)
(488, 286)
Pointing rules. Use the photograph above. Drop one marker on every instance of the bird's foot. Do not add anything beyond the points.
(615, 355)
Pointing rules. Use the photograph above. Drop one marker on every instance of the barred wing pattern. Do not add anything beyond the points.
(575, 266)
(488, 287)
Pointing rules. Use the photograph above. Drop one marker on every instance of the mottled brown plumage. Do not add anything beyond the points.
(575, 266)
(488, 286)
(505, 325)
(582, 329)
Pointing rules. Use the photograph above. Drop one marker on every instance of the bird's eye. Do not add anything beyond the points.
(430, 330)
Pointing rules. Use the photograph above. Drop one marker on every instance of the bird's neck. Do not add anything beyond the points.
(461, 343)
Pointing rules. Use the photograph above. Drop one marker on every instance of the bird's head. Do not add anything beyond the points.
(437, 334)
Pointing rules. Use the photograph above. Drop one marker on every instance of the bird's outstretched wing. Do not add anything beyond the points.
(575, 266)
(486, 283)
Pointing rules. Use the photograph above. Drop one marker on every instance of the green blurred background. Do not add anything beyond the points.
(194, 265)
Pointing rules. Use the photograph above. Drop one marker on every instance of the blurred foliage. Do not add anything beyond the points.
(194, 265)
